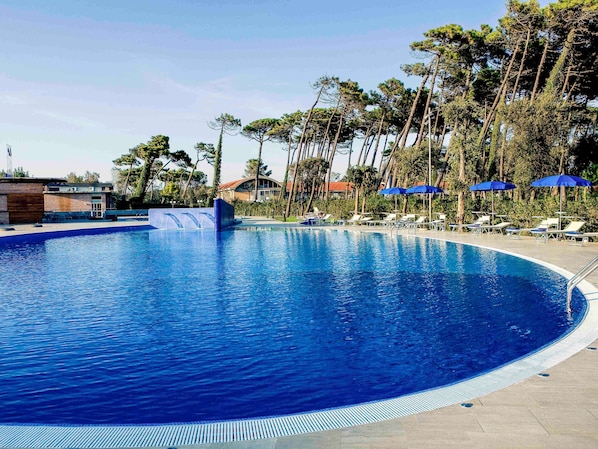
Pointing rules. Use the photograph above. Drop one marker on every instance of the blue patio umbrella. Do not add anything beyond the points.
(423, 189)
(426, 190)
(491, 186)
(393, 191)
(561, 181)
(397, 191)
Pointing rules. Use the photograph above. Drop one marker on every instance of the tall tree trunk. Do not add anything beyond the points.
(400, 143)
(539, 71)
(257, 171)
(378, 136)
(217, 167)
(499, 95)
(283, 188)
(299, 146)
(554, 80)
(127, 180)
(363, 147)
(331, 157)
(520, 71)
(427, 108)
(461, 195)
(189, 179)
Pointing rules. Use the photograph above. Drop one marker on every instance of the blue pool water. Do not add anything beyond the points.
(185, 326)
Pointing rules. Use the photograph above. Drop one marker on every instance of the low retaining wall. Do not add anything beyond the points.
(219, 217)
(192, 218)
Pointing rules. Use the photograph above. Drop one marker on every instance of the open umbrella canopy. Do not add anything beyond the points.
(492, 185)
(392, 191)
(397, 191)
(562, 181)
(423, 189)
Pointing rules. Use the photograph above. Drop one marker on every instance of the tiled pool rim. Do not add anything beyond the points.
(172, 435)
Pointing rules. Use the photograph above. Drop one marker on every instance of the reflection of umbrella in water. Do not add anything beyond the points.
(561, 181)
(393, 191)
(491, 186)
(426, 190)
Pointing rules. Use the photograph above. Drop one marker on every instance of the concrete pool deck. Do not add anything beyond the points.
(558, 411)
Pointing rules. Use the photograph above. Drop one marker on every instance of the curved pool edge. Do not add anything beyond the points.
(220, 432)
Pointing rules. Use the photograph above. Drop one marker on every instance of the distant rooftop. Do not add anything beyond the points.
(12, 180)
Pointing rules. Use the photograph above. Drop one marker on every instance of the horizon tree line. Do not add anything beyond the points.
(515, 102)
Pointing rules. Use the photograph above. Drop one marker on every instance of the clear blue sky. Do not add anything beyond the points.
(81, 81)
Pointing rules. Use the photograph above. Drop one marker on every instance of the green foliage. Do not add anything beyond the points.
(311, 173)
(72, 177)
(226, 124)
(251, 168)
(591, 173)
(88, 177)
(149, 153)
(260, 130)
(205, 151)
(171, 191)
(513, 103)
(18, 172)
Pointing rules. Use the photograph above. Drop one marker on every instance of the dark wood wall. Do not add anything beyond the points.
(25, 207)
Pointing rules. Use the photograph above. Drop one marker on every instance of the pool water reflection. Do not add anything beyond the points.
(182, 326)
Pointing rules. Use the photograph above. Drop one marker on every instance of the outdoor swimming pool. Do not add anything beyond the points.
(185, 326)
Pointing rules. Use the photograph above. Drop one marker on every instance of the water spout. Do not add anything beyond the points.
(192, 218)
(175, 219)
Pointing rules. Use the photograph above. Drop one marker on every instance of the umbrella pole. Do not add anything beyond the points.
(560, 205)
(492, 216)
(430, 209)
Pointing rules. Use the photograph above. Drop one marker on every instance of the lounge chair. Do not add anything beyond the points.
(404, 221)
(323, 220)
(499, 227)
(354, 219)
(484, 219)
(580, 238)
(547, 223)
(328, 219)
(421, 221)
(386, 221)
(438, 224)
(545, 234)
(308, 221)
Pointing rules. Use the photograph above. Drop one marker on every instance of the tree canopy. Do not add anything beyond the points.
(512, 102)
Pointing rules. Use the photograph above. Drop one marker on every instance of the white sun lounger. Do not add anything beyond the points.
(484, 219)
(580, 238)
(543, 225)
(499, 227)
(545, 234)
(386, 221)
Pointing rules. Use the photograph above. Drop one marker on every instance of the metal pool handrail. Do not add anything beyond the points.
(580, 276)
